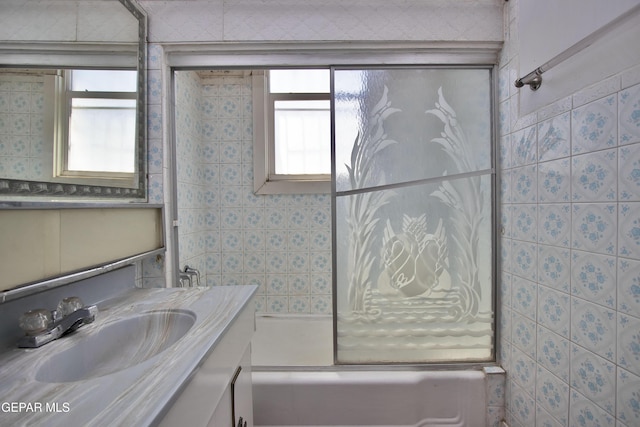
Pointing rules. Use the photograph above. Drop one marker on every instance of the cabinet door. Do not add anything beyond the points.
(242, 393)
(222, 416)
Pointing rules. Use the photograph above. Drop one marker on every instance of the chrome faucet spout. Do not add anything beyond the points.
(192, 272)
(184, 278)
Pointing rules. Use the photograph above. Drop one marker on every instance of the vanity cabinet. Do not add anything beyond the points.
(220, 392)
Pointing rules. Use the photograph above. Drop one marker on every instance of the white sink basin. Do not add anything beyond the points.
(117, 346)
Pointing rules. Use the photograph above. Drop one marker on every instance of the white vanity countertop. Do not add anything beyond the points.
(135, 396)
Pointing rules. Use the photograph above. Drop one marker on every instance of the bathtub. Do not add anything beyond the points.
(288, 391)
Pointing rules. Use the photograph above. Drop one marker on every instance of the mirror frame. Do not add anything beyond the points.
(13, 190)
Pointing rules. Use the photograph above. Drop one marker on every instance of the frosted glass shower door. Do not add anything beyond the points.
(413, 220)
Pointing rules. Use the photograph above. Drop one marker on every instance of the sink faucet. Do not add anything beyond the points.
(42, 326)
(185, 279)
(192, 272)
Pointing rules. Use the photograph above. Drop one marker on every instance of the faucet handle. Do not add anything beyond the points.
(35, 321)
(68, 305)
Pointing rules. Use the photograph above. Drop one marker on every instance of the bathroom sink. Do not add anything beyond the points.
(117, 346)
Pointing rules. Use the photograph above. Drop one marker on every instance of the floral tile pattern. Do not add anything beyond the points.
(595, 177)
(280, 243)
(554, 181)
(583, 183)
(554, 137)
(594, 126)
(593, 377)
(594, 227)
(629, 173)
(629, 115)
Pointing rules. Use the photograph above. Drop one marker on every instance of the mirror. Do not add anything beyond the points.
(46, 48)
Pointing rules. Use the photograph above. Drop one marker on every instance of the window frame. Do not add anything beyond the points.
(265, 180)
(64, 96)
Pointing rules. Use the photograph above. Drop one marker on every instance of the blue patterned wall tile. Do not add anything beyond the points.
(276, 262)
(593, 277)
(505, 288)
(584, 413)
(505, 152)
(321, 304)
(522, 405)
(553, 267)
(299, 304)
(253, 240)
(277, 304)
(628, 339)
(594, 227)
(629, 230)
(298, 284)
(524, 296)
(523, 369)
(320, 262)
(253, 262)
(554, 138)
(629, 173)
(276, 284)
(554, 224)
(524, 223)
(594, 126)
(629, 115)
(253, 218)
(297, 262)
(594, 177)
(523, 334)
(544, 419)
(554, 181)
(524, 187)
(594, 377)
(524, 259)
(232, 262)
(554, 353)
(553, 395)
(554, 310)
(524, 149)
(629, 286)
(594, 327)
(628, 398)
(505, 187)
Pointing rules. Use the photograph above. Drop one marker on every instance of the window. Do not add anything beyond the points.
(95, 126)
(292, 131)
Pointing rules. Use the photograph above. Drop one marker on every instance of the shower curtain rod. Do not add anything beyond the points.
(534, 78)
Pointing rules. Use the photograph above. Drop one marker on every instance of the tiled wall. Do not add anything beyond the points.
(280, 242)
(22, 153)
(570, 279)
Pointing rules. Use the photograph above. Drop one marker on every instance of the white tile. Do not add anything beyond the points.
(629, 115)
(629, 173)
(554, 353)
(554, 311)
(594, 378)
(583, 411)
(629, 230)
(629, 286)
(594, 227)
(554, 137)
(594, 126)
(554, 224)
(628, 398)
(593, 277)
(629, 343)
(594, 328)
(553, 395)
(594, 177)
(554, 181)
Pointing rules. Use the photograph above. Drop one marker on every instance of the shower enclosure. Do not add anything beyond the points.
(413, 241)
